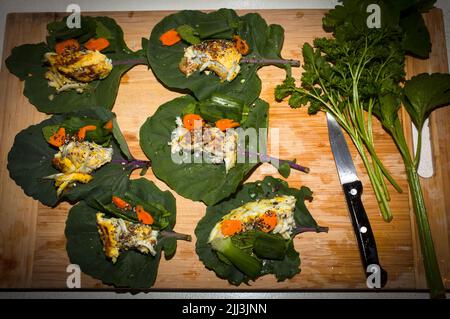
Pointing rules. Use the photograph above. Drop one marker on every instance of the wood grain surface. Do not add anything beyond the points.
(32, 242)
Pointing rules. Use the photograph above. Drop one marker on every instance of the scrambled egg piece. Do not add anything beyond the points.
(118, 235)
(76, 161)
(74, 69)
(219, 56)
(250, 216)
(217, 146)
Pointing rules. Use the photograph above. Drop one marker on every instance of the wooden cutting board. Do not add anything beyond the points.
(32, 242)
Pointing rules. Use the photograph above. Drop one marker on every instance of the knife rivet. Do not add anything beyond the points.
(363, 229)
(353, 191)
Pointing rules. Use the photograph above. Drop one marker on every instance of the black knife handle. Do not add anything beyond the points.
(363, 231)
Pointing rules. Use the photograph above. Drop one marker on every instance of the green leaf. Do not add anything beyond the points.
(416, 39)
(265, 41)
(424, 93)
(120, 139)
(249, 192)
(30, 159)
(26, 63)
(132, 269)
(188, 34)
(197, 181)
(284, 169)
(349, 21)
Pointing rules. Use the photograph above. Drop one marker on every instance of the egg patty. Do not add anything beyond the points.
(119, 235)
(275, 215)
(73, 69)
(77, 160)
(219, 56)
(216, 146)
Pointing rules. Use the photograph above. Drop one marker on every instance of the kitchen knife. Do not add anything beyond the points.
(353, 188)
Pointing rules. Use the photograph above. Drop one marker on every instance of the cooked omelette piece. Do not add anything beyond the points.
(118, 235)
(275, 215)
(77, 160)
(217, 147)
(219, 56)
(73, 69)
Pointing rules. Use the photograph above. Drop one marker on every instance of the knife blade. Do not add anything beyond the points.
(353, 189)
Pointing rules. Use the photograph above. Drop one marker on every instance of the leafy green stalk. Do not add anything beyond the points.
(432, 272)
(246, 263)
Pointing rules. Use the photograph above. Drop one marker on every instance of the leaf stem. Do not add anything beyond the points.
(130, 61)
(267, 158)
(134, 163)
(262, 61)
(418, 149)
(177, 236)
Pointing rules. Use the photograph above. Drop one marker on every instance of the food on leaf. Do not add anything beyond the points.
(191, 63)
(118, 235)
(197, 176)
(213, 143)
(67, 72)
(111, 244)
(219, 56)
(51, 164)
(251, 233)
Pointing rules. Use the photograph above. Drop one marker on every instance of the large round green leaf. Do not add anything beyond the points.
(265, 41)
(30, 159)
(132, 269)
(198, 181)
(267, 188)
(26, 63)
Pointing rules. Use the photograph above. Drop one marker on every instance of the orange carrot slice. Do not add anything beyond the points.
(268, 221)
(225, 124)
(170, 37)
(82, 131)
(58, 138)
(97, 44)
(120, 203)
(189, 121)
(230, 227)
(69, 44)
(143, 216)
(108, 125)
